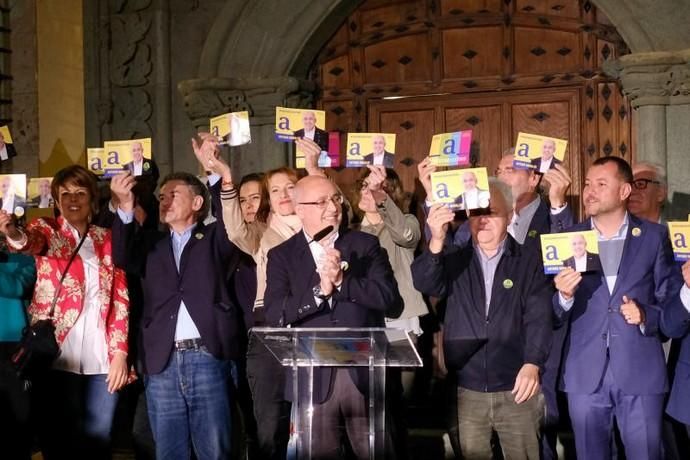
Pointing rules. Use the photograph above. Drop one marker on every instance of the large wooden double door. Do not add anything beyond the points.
(421, 67)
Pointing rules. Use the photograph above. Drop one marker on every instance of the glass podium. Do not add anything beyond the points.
(303, 349)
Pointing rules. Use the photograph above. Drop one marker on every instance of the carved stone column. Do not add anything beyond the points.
(205, 98)
(658, 86)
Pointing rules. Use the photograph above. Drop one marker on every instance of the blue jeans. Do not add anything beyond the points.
(75, 415)
(189, 406)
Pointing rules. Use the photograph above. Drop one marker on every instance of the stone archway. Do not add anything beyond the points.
(257, 54)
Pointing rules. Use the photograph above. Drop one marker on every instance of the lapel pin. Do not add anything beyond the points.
(199, 236)
(146, 166)
(344, 265)
(532, 233)
(507, 283)
(636, 231)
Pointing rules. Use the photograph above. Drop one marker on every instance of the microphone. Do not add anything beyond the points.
(321, 234)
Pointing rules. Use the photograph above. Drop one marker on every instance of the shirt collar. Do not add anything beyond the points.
(499, 252)
(530, 209)
(186, 232)
(622, 230)
(310, 239)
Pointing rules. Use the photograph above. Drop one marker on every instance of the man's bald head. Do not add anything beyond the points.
(317, 203)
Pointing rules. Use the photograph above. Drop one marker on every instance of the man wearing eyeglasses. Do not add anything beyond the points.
(329, 277)
(649, 191)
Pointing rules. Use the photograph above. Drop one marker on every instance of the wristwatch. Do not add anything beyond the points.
(318, 293)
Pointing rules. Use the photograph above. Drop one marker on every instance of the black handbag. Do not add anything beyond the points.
(38, 347)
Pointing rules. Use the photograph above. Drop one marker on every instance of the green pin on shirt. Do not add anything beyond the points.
(507, 283)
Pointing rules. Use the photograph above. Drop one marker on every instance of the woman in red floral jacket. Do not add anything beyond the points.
(77, 398)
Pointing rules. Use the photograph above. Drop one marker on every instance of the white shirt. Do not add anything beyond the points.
(44, 202)
(3, 153)
(378, 158)
(138, 167)
(581, 263)
(84, 350)
(8, 203)
(545, 165)
(310, 134)
(318, 253)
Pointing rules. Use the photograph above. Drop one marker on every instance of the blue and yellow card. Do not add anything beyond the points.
(117, 155)
(370, 149)
(577, 250)
(231, 128)
(539, 153)
(451, 149)
(679, 232)
(461, 189)
(293, 123)
(38, 191)
(13, 193)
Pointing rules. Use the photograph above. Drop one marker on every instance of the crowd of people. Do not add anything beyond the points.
(160, 293)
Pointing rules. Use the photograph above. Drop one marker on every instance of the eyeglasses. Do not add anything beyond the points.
(641, 184)
(500, 171)
(336, 199)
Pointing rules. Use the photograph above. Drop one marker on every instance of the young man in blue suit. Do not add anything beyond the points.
(613, 359)
(342, 280)
(189, 323)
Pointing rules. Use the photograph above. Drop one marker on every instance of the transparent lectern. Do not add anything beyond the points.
(306, 348)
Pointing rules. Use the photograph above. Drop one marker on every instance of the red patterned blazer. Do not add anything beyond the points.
(52, 243)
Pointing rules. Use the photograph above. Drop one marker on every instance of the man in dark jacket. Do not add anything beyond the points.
(497, 327)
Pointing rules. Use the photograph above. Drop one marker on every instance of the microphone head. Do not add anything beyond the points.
(321, 234)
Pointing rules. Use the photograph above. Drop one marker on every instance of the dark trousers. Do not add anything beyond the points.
(266, 379)
(639, 419)
(15, 434)
(342, 415)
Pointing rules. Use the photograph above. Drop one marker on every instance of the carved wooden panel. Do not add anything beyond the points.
(414, 129)
(402, 60)
(394, 15)
(336, 73)
(501, 66)
(562, 8)
(456, 7)
(544, 50)
(472, 52)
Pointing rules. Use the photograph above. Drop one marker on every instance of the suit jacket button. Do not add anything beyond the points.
(299, 310)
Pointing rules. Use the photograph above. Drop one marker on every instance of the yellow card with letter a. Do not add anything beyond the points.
(231, 128)
(679, 232)
(370, 149)
(540, 153)
(461, 188)
(577, 250)
(293, 123)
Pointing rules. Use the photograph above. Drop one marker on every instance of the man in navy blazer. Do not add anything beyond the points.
(342, 280)
(189, 323)
(613, 357)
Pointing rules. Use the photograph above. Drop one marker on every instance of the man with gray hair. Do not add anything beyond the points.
(497, 329)
(648, 192)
